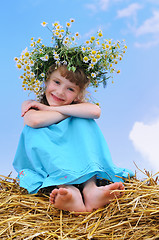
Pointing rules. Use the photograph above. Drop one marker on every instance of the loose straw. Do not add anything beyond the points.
(135, 215)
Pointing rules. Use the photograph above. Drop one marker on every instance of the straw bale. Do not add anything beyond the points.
(133, 216)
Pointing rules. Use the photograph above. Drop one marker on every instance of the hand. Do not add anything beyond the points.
(26, 105)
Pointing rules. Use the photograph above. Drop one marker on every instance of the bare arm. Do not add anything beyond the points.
(38, 119)
(42, 115)
(81, 110)
(37, 115)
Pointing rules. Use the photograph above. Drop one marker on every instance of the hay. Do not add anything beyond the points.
(134, 216)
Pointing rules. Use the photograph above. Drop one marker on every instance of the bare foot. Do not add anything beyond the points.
(67, 198)
(96, 197)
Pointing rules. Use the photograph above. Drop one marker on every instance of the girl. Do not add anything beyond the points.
(62, 146)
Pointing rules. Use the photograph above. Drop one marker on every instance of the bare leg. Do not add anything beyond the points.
(67, 198)
(96, 197)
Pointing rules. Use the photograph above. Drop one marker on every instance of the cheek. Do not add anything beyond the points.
(73, 96)
(49, 87)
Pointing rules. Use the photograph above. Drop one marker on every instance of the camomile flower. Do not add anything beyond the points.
(26, 54)
(68, 24)
(91, 65)
(58, 63)
(44, 24)
(93, 52)
(100, 34)
(83, 49)
(54, 52)
(56, 33)
(65, 42)
(36, 89)
(72, 20)
(45, 58)
(77, 34)
(55, 24)
(56, 57)
(31, 63)
(42, 75)
(64, 62)
(94, 60)
(58, 27)
(93, 75)
(39, 40)
(32, 44)
(60, 36)
(27, 67)
(98, 56)
(19, 66)
(85, 59)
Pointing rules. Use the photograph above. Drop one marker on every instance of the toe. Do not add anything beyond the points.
(63, 191)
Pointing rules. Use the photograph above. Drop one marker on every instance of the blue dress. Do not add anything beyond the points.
(69, 152)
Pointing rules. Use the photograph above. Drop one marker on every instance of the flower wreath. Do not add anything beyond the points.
(97, 58)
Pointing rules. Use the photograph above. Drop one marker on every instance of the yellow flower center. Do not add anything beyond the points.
(26, 54)
(94, 60)
(100, 34)
(68, 24)
(86, 58)
(93, 52)
(27, 67)
(19, 66)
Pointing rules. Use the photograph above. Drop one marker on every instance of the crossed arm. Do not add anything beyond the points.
(38, 115)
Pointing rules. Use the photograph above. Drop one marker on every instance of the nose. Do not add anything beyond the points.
(60, 91)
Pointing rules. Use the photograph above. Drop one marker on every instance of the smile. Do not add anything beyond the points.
(56, 98)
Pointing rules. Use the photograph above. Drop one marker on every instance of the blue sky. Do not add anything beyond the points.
(130, 106)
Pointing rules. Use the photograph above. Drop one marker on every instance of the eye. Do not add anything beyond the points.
(57, 82)
(71, 89)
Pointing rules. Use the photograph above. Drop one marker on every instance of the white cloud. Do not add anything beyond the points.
(97, 5)
(151, 25)
(103, 4)
(145, 138)
(147, 44)
(129, 11)
(153, 1)
(91, 7)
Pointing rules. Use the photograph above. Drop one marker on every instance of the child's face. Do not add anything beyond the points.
(60, 91)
